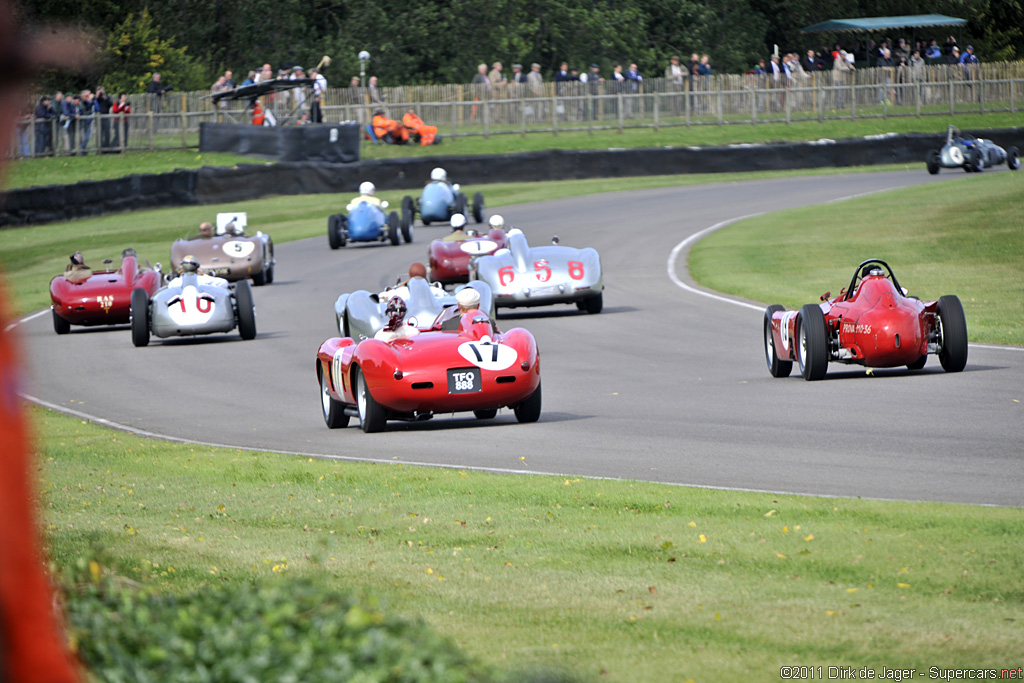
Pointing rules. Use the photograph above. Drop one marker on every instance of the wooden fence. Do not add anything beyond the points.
(468, 110)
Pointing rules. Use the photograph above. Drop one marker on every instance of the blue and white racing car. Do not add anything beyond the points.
(439, 201)
(366, 222)
(963, 150)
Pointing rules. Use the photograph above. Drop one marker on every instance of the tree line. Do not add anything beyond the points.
(413, 42)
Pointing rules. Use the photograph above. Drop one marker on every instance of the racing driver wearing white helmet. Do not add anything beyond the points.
(367, 193)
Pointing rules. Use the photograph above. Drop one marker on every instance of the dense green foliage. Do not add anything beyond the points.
(279, 630)
(414, 42)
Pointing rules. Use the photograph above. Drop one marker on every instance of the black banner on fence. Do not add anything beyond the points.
(335, 143)
(256, 181)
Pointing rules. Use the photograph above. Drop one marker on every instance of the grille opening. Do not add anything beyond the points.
(507, 379)
(422, 385)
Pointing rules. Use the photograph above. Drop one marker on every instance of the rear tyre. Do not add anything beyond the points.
(486, 414)
(460, 204)
(1013, 158)
(270, 274)
(975, 161)
(949, 315)
(393, 228)
(812, 343)
(478, 207)
(529, 410)
(594, 304)
(334, 231)
(776, 367)
(246, 310)
(407, 231)
(919, 363)
(408, 211)
(345, 329)
(140, 317)
(934, 162)
(372, 416)
(60, 325)
(334, 411)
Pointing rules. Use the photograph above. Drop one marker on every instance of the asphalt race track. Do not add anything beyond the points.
(665, 385)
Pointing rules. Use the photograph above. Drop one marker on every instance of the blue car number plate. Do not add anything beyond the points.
(464, 380)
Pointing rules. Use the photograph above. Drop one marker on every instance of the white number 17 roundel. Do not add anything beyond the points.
(488, 355)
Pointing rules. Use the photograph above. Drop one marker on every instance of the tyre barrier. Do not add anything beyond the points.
(37, 205)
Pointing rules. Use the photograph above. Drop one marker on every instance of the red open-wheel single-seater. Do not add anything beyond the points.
(872, 323)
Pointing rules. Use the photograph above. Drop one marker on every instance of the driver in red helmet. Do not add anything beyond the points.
(396, 328)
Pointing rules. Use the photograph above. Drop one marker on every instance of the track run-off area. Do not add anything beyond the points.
(667, 384)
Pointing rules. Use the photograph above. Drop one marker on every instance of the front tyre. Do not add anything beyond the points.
(529, 410)
(140, 317)
(934, 162)
(919, 363)
(60, 325)
(974, 160)
(334, 411)
(486, 414)
(245, 310)
(372, 416)
(408, 211)
(1013, 158)
(594, 304)
(334, 231)
(776, 367)
(812, 343)
(478, 207)
(949, 314)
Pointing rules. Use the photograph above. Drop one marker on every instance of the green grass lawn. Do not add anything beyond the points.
(967, 241)
(28, 172)
(618, 581)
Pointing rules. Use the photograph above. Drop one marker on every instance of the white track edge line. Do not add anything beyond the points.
(473, 468)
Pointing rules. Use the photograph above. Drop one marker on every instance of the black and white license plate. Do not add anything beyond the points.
(464, 380)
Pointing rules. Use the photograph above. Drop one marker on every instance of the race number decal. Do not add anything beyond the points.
(488, 355)
(543, 271)
(784, 329)
(191, 307)
(105, 302)
(238, 249)
(477, 247)
(337, 375)
(576, 270)
(506, 272)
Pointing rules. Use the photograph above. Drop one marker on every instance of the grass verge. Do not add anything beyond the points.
(30, 256)
(622, 581)
(29, 172)
(968, 242)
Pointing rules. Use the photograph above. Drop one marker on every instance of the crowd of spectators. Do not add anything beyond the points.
(67, 122)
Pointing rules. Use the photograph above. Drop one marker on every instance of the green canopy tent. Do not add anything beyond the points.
(880, 24)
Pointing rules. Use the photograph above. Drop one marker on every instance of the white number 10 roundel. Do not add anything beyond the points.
(488, 355)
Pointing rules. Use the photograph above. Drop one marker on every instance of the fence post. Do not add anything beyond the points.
(820, 94)
(151, 123)
(981, 95)
(522, 116)
(184, 125)
(789, 103)
(718, 105)
(1013, 96)
(487, 117)
(554, 116)
(588, 111)
(853, 102)
(952, 108)
(753, 107)
(917, 97)
(619, 99)
(455, 115)
(687, 95)
(655, 112)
